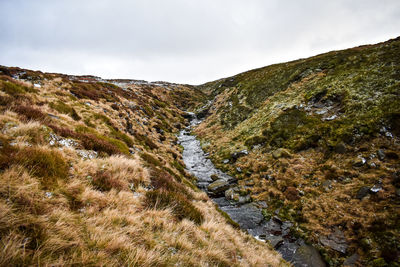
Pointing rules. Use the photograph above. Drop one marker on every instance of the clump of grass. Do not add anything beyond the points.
(150, 159)
(162, 180)
(93, 141)
(65, 109)
(181, 207)
(47, 165)
(7, 153)
(104, 181)
(114, 131)
(145, 140)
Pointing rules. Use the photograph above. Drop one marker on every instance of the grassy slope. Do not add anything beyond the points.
(327, 111)
(58, 206)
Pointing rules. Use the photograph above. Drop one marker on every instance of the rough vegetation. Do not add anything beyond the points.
(323, 141)
(91, 175)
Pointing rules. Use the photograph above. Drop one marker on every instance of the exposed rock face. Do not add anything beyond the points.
(336, 241)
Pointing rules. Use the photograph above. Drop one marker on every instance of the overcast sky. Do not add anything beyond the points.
(187, 41)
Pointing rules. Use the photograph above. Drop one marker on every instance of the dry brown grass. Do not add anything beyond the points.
(94, 211)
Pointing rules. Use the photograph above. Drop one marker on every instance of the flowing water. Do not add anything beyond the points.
(249, 215)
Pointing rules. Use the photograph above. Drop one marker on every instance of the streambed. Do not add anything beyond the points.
(248, 215)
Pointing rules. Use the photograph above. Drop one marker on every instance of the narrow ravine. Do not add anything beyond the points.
(247, 214)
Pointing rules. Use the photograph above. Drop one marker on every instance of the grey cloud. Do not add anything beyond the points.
(183, 41)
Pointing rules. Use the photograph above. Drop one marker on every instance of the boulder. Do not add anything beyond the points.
(281, 153)
(248, 216)
(218, 187)
(381, 154)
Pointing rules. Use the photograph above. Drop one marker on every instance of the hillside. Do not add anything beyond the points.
(91, 175)
(317, 139)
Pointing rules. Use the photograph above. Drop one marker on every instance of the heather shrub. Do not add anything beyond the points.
(31, 113)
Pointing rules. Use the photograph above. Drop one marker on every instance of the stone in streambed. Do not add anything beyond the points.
(218, 187)
(248, 216)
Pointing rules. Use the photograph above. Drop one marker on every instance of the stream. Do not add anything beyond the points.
(248, 215)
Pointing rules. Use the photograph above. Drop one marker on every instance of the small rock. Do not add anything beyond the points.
(362, 192)
(53, 116)
(238, 169)
(381, 154)
(376, 188)
(372, 165)
(230, 194)
(331, 118)
(49, 194)
(225, 161)
(359, 162)
(281, 153)
(327, 185)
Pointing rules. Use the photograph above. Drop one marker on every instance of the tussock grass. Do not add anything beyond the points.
(180, 205)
